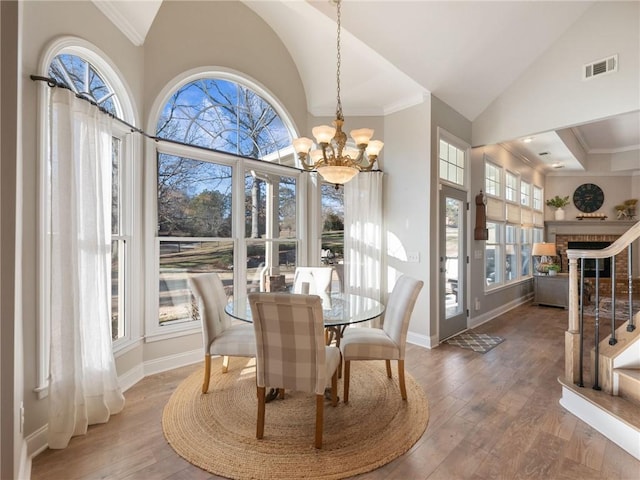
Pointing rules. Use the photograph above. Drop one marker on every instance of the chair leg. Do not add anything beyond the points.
(334, 388)
(347, 366)
(403, 388)
(207, 373)
(261, 403)
(319, 419)
(388, 362)
(281, 393)
(225, 364)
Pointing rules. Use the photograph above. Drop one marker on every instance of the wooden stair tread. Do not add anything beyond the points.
(625, 340)
(633, 373)
(625, 410)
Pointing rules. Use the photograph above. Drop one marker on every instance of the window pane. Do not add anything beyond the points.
(332, 225)
(115, 186)
(271, 266)
(194, 198)
(492, 265)
(117, 290)
(511, 262)
(451, 163)
(225, 116)
(259, 190)
(82, 78)
(179, 260)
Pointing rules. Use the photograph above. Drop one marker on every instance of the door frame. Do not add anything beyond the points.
(448, 190)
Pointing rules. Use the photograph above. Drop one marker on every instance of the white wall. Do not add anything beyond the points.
(616, 188)
(407, 204)
(551, 93)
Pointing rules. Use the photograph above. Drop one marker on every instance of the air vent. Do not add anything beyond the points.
(600, 67)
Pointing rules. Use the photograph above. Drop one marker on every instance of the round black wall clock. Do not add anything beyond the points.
(588, 197)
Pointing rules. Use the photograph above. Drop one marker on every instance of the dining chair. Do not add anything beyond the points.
(290, 351)
(220, 335)
(318, 279)
(386, 343)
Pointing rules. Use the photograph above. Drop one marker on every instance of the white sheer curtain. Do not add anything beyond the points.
(83, 387)
(363, 234)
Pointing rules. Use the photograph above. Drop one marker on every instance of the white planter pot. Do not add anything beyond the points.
(559, 215)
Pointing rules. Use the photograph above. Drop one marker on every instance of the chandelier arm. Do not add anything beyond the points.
(302, 157)
(369, 166)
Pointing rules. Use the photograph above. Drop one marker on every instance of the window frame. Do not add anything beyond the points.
(107, 70)
(507, 188)
(155, 331)
(460, 145)
(497, 183)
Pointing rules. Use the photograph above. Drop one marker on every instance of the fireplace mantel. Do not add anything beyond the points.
(586, 227)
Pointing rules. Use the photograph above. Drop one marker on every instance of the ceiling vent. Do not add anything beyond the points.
(600, 67)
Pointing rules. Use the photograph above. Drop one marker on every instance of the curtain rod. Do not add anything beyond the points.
(52, 82)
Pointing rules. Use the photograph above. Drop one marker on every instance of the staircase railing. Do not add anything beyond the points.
(574, 336)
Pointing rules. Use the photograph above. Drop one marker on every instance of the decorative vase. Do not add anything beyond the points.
(559, 215)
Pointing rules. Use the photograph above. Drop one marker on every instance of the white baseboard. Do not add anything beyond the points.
(129, 378)
(422, 340)
(619, 432)
(170, 362)
(33, 444)
(488, 316)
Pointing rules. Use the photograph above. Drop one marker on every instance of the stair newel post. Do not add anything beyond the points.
(631, 325)
(580, 361)
(572, 335)
(596, 368)
(612, 338)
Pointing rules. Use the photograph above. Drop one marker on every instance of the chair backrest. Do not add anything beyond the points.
(290, 348)
(209, 291)
(399, 309)
(318, 278)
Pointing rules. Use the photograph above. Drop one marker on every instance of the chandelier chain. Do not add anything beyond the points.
(339, 61)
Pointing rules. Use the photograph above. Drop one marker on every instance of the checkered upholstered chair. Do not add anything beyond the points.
(290, 351)
(386, 343)
(220, 335)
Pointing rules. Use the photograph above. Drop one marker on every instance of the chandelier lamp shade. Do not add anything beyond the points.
(333, 160)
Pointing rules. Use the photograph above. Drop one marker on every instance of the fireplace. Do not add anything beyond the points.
(604, 264)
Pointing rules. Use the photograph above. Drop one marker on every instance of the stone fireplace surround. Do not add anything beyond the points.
(561, 233)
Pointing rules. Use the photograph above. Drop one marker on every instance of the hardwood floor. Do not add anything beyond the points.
(493, 415)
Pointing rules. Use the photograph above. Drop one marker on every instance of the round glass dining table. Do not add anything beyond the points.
(339, 310)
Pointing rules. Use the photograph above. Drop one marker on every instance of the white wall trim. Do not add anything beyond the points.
(488, 316)
(170, 362)
(33, 445)
(619, 432)
(129, 378)
(422, 340)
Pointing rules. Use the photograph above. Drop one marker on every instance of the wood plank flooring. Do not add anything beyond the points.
(492, 416)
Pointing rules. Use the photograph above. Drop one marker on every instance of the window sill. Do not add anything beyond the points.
(504, 286)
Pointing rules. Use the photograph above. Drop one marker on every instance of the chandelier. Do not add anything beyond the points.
(336, 162)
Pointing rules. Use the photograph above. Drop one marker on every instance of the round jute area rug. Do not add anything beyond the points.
(217, 431)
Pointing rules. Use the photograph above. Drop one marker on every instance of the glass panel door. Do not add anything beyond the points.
(453, 260)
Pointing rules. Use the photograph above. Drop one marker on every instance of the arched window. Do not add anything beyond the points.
(85, 71)
(225, 116)
(225, 202)
(84, 80)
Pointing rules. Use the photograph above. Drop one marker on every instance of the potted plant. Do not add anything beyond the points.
(558, 203)
(554, 269)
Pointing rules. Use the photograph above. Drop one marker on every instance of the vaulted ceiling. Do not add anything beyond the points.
(394, 52)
